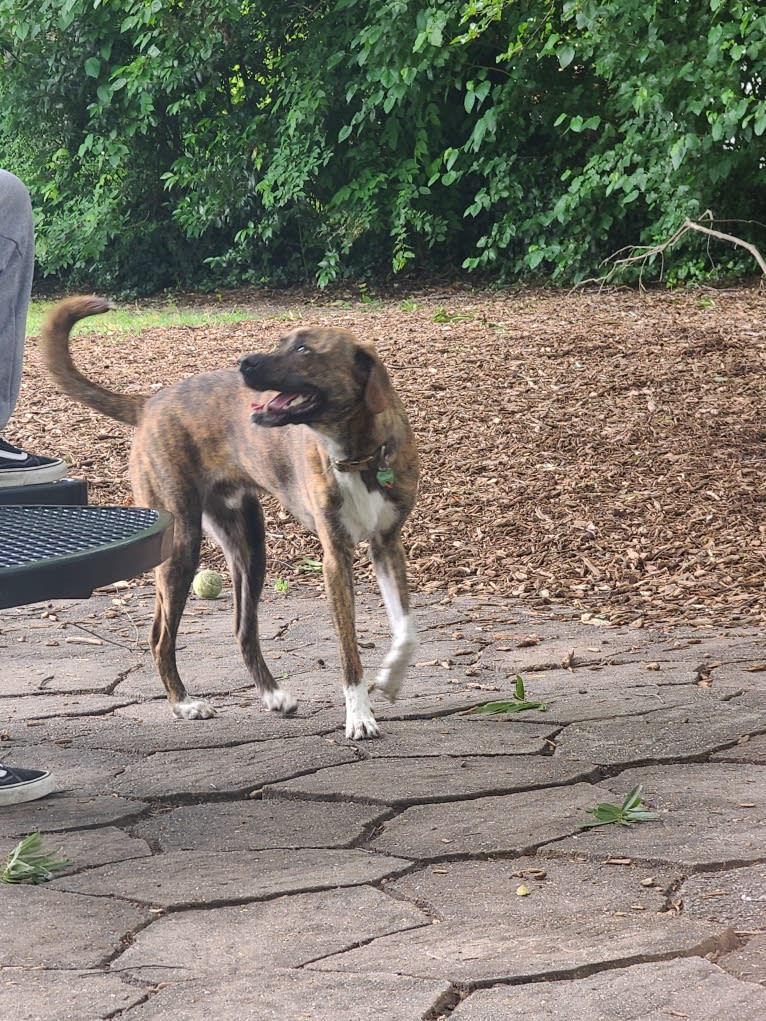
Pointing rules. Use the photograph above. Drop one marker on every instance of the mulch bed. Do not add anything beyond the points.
(602, 451)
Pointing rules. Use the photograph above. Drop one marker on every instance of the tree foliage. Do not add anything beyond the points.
(171, 142)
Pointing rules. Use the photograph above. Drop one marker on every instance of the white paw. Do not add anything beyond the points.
(193, 709)
(361, 728)
(360, 720)
(280, 701)
(389, 681)
(391, 675)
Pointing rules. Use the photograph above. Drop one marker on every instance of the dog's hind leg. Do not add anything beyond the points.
(391, 572)
(173, 579)
(233, 516)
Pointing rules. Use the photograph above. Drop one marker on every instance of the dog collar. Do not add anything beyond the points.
(378, 459)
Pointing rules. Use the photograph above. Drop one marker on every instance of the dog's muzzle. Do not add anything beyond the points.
(285, 398)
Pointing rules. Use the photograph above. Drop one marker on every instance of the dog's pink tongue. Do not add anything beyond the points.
(282, 401)
(263, 398)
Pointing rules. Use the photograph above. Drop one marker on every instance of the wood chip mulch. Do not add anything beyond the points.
(602, 451)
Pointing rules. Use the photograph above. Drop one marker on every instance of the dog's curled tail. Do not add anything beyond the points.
(54, 345)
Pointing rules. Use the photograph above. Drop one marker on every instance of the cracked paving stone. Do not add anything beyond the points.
(92, 847)
(688, 988)
(411, 781)
(461, 736)
(257, 825)
(703, 819)
(282, 995)
(64, 672)
(746, 696)
(312, 907)
(593, 695)
(736, 897)
(433, 650)
(418, 705)
(604, 691)
(73, 772)
(559, 891)
(87, 930)
(467, 953)
(749, 961)
(242, 769)
(727, 649)
(287, 932)
(509, 824)
(190, 878)
(221, 672)
(148, 727)
(244, 707)
(680, 732)
(40, 707)
(752, 750)
(218, 672)
(68, 812)
(55, 995)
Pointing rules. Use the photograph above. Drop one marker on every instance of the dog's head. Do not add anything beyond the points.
(316, 376)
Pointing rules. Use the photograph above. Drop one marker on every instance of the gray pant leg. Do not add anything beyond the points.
(17, 257)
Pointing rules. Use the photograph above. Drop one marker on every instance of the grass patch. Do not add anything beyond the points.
(135, 319)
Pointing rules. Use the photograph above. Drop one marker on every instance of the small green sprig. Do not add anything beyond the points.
(30, 863)
(309, 564)
(516, 705)
(628, 813)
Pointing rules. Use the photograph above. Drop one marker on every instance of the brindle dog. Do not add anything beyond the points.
(318, 424)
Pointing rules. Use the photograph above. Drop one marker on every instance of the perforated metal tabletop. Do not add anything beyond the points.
(50, 552)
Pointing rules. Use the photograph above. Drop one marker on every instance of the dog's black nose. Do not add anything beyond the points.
(250, 364)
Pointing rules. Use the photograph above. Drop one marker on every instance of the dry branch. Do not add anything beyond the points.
(642, 254)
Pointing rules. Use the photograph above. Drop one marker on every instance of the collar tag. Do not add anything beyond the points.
(385, 478)
(384, 475)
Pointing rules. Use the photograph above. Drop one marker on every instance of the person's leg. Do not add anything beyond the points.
(17, 255)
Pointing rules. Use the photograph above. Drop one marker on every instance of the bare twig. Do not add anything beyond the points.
(691, 225)
(642, 254)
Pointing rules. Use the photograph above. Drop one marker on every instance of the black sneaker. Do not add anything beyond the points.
(17, 468)
(17, 785)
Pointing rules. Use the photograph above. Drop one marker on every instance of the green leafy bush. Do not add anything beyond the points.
(230, 141)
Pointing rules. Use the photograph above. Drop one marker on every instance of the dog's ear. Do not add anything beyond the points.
(378, 392)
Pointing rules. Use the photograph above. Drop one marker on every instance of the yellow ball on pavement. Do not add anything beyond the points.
(207, 584)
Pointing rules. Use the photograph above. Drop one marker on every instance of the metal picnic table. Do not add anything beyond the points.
(65, 551)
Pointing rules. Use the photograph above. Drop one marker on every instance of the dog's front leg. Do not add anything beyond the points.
(391, 571)
(339, 584)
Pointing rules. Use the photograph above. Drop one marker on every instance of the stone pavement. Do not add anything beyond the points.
(254, 867)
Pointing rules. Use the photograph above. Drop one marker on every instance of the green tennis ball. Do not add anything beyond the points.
(207, 584)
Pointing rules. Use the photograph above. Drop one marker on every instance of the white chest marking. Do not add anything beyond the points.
(363, 513)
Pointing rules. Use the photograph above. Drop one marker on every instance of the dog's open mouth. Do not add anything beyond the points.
(282, 408)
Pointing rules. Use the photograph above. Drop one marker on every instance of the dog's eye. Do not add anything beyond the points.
(302, 349)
